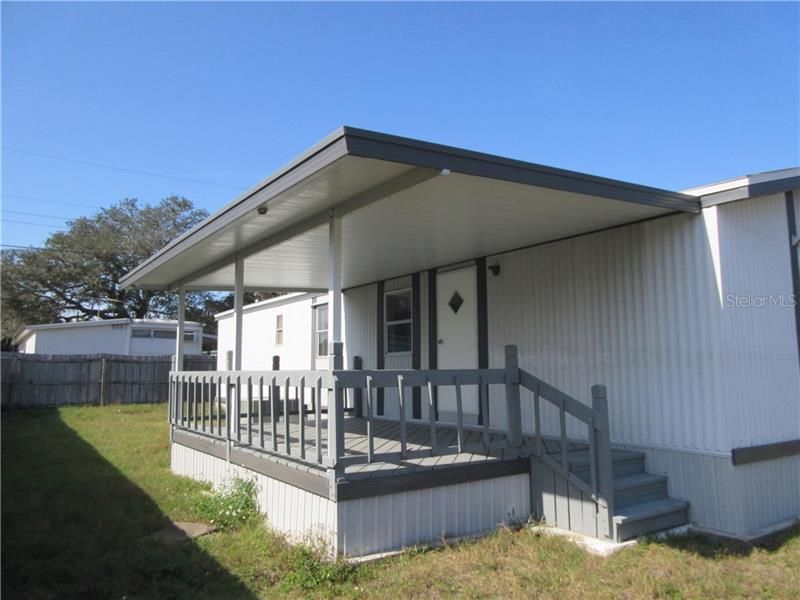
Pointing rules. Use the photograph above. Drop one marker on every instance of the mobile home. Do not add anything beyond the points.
(109, 336)
(467, 340)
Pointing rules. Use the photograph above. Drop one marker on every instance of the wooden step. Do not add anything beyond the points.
(625, 463)
(639, 488)
(649, 517)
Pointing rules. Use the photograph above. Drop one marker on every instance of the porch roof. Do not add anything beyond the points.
(406, 206)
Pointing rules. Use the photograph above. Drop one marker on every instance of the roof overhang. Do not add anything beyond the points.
(406, 206)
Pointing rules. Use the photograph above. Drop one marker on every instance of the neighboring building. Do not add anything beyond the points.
(111, 336)
(684, 304)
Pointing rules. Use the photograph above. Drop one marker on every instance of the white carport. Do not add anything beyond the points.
(362, 206)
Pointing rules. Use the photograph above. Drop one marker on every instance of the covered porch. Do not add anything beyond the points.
(363, 207)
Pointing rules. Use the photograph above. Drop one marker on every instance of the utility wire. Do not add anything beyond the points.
(115, 168)
(18, 247)
(50, 201)
(51, 225)
(27, 214)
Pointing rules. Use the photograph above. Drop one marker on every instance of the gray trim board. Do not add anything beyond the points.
(483, 321)
(380, 354)
(751, 454)
(791, 217)
(371, 144)
(305, 480)
(396, 484)
(765, 188)
(433, 340)
(416, 343)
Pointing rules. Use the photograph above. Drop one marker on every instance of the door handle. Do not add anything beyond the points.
(440, 341)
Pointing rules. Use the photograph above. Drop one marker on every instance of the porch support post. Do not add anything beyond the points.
(334, 281)
(336, 358)
(178, 362)
(238, 303)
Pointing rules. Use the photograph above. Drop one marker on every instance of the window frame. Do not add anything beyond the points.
(279, 324)
(387, 323)
(316, 331)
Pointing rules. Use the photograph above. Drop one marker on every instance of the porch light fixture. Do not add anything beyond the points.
(494, 269)
(445, 172)
(262, 210)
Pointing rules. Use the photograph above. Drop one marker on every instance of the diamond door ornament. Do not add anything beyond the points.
(455, 302)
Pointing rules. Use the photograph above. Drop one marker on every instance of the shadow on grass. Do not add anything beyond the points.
(74, 526)
(714, 548)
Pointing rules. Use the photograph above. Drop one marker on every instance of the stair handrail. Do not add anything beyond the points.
(601, 471)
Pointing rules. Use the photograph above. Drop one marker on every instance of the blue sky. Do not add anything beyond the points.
(670, 95)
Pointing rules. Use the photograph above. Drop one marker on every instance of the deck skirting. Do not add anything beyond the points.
(370, 524)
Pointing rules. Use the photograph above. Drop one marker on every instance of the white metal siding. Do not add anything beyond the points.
(390, 522)
(642, 310)
(84, 340)
(360, 322)
(299, 514)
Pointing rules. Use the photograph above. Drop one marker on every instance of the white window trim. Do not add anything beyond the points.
(315, 331)
(280, 329)
(387, 323)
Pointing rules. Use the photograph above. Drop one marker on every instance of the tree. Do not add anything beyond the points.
(75, 276)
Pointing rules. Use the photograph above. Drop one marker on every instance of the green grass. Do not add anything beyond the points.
(84, 488)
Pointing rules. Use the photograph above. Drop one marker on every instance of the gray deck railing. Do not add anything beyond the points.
(300, 415)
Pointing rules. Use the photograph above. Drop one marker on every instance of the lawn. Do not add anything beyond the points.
(83, 489)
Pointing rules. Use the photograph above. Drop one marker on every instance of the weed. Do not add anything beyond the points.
(230, 507)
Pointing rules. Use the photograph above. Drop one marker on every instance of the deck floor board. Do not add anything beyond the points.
(386, 443)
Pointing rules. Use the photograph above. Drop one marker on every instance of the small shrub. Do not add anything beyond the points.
(310, 569)
(230, 507)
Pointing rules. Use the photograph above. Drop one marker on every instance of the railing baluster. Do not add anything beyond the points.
(286, 416)
(239, 408)
(402, 402)
(249, 411)
(562, 415)
(228, 410)
(432, 418)
(537, 422)
(219, 406)
(459, 415)
(203, 401)
(273, 410)
(261, 412)
(370, 441)
(593, 458)
(193, 410)
(483, 393)
(301, 409)
(316, 399)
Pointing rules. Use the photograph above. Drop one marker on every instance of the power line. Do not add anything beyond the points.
(18, 247)
(50, 201)
(52, 226)
(27, 214)
(115, 168)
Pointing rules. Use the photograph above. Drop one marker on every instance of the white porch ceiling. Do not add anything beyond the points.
(398, 216)
(445, 220)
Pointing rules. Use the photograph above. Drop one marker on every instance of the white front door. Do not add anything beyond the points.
(457, 336)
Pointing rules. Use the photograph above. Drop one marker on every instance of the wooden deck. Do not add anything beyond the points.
(388, 461)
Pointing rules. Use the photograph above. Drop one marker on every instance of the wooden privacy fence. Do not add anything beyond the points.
(33, 380)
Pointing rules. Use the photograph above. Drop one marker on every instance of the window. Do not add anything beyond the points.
(141, 333)
(398, 321)
(188, 336)
(279, 330)
(164, 334)
(321, 330)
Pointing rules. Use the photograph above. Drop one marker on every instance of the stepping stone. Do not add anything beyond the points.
(180, 531)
